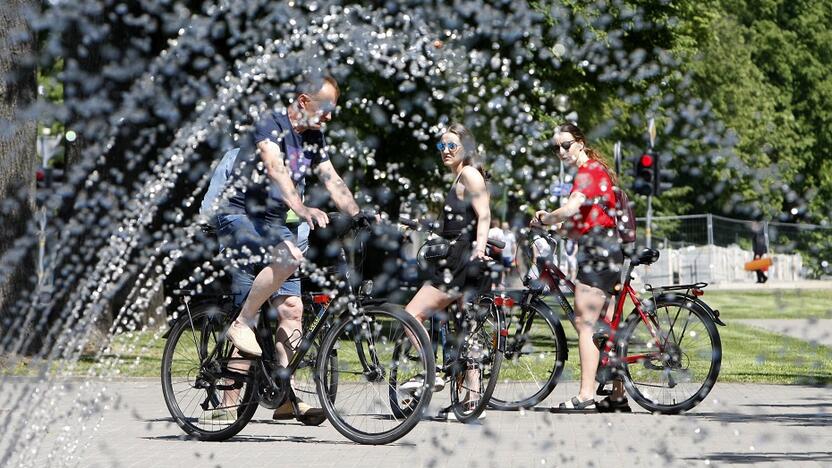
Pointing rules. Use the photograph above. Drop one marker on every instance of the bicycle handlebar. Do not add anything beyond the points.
(428, 225)
(409, 223)
(496, 243)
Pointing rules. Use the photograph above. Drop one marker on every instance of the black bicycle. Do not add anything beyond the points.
(472, 337)
(356, 338)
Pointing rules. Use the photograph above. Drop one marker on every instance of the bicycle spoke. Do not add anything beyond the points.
(673, 377)
(369, 355)
(532, 363)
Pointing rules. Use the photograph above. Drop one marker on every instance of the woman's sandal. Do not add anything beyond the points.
(576, 405)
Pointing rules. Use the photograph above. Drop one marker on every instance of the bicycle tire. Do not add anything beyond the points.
(370, 323)
(627, 339)
(208, 322)
(507, 396)
(489, 360)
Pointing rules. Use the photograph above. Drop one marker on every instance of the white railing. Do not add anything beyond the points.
(715, 264)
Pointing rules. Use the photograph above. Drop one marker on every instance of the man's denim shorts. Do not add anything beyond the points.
(247, 244)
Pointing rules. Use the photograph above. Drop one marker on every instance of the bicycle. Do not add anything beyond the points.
(645, 349)
(472, 340)
(357, 336)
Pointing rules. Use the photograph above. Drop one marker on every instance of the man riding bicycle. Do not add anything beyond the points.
(259, 217)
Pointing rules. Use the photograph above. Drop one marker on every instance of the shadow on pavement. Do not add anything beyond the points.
(788, 419)
(764, 457)
(791, 405)
(270, 438)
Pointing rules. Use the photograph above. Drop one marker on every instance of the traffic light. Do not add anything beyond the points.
(645, 178)
(664, 177)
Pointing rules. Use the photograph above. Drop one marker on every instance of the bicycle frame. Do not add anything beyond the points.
(268, 362)
(276, 376)
(556, 279)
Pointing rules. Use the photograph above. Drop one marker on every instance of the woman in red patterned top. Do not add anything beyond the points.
(589, 218)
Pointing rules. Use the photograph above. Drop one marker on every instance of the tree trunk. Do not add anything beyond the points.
(18, 135)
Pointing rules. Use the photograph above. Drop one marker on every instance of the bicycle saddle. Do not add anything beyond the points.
(646, 257)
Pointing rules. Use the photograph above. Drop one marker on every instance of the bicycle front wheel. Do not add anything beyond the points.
(204, 391)
(534, 357)
(370, 363)
(479, 347)
(671, 361)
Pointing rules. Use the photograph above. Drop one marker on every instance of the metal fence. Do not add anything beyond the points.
(799, 250)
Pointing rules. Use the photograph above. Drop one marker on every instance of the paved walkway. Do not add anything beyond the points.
(773, 285)
(761, 425)
(813, 330)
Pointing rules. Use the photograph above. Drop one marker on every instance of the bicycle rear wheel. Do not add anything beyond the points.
(478, 357)
(677, 375)
(370, 364)
(534, 357)
(206, 398)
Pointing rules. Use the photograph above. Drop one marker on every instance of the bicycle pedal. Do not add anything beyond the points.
(602, 391)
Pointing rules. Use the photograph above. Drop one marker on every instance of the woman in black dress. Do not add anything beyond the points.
(465, 218)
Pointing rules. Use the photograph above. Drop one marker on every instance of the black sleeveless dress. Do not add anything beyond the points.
(459, 226)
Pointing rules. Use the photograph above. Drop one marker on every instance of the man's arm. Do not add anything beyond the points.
(337, 189)
(277, 172)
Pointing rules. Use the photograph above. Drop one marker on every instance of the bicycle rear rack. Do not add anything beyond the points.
(676, 287)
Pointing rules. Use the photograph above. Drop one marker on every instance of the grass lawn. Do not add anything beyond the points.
(749, 354)
(133, 354)
(776, 304)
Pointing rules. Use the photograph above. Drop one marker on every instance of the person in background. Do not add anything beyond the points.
(497, 234)
(510, 250)
(758, 246)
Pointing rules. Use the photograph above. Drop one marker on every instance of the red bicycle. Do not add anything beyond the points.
(667, 350)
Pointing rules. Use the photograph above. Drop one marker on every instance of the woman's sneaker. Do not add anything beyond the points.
(452, 416)
(217, 416)
(414, 384)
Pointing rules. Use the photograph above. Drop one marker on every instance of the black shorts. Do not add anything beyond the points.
(599, 260)
(457, 272)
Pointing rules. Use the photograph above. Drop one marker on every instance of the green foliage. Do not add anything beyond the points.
(51, 90)
(742, 102)
(763, 70)
(766, 67)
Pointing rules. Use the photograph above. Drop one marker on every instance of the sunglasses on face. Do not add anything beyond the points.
(565, 145)
(450, 146)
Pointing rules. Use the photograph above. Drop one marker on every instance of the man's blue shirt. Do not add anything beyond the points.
(255, 194)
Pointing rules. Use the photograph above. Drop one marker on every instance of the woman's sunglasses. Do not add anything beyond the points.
(450, 146)
(565, 145)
